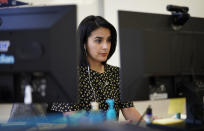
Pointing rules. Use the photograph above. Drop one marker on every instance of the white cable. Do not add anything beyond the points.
(91, 84)
(94, 93)
(28, 95)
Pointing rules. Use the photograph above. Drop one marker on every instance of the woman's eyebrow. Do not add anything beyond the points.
(98, 37)
(101, 37)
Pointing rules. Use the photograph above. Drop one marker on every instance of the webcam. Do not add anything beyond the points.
(179, 16)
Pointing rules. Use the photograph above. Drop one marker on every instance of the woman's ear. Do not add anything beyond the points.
(85, 49)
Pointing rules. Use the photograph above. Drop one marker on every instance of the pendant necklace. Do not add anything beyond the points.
(90, 83)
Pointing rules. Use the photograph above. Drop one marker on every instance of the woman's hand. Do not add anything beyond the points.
(131, 114)
(69, 113)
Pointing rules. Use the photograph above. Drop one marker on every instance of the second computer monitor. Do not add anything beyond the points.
(157, 61)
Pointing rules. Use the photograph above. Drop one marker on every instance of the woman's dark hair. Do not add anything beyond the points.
(88, 25)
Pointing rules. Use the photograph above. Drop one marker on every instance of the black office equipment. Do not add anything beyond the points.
(179, 16)
(158, 62)
(38, 48)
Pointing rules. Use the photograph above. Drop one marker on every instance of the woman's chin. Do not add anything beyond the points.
(103, 60)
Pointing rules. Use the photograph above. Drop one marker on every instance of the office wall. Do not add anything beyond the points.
(85, 7)
(5, 110)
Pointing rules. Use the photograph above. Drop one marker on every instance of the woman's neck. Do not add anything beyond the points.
(99, 67)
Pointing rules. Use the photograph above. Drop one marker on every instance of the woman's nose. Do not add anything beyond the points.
(105, 45)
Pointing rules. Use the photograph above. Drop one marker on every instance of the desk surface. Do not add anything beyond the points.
(98, 127)
(64, 127)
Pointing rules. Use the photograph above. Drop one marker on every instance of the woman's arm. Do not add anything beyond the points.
(131, 114)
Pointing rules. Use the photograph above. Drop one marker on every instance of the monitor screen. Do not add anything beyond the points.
(38, 48)
(158, 62)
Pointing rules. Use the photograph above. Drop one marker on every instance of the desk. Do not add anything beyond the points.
(64, 127)
(98, 127)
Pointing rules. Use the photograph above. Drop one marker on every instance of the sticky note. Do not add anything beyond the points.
(167, 121)
(176, 105)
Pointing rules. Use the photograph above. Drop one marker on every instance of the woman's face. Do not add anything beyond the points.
(98, 45)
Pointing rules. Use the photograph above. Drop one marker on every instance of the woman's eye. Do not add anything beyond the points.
(98, 41)
(109, 39)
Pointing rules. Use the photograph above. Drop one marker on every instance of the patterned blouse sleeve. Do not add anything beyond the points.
(125, 104)
(65, 107)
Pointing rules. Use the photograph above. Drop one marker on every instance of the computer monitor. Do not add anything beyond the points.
(158, 62)
(38, 48)
(156, 57)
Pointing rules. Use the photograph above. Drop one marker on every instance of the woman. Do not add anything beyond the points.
(98, 80)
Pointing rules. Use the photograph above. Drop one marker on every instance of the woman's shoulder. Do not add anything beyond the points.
(112, 68)
(109, 68)
(82, 68)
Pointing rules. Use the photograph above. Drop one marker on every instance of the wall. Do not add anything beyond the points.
(84, 7)
(4, 112)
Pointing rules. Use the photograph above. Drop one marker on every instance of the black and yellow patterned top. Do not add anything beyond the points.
(106, 86)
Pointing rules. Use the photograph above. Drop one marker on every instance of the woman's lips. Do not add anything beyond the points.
(104, 54)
